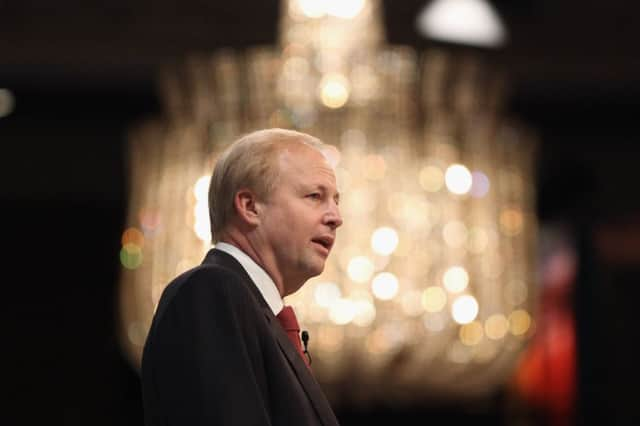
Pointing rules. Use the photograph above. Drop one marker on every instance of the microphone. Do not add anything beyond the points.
(305, 341)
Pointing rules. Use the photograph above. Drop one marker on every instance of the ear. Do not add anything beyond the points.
(247, 208)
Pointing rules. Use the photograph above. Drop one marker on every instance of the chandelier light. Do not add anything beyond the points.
(469, 22)
(430, 287)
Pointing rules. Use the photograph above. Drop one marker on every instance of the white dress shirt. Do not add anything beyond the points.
(260, 278)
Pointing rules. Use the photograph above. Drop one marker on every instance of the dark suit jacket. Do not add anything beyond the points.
(216, 355)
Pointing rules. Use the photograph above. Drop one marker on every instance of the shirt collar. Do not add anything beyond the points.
(260, 278)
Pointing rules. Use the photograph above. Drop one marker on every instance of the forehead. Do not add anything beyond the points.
(301, 162)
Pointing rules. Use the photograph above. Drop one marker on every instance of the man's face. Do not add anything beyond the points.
(300, 217)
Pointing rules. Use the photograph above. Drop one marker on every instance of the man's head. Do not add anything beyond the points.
(273, 194)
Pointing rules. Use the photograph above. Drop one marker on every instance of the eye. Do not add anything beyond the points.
(314, 196)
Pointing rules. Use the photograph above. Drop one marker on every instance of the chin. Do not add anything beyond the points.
(315, 270)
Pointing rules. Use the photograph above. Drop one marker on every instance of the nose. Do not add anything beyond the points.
(332, 218)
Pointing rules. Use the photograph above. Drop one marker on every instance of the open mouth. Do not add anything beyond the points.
(325, 242)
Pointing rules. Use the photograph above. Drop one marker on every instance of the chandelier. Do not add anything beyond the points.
(430, 286)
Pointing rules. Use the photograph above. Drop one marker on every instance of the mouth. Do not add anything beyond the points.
(326, 242)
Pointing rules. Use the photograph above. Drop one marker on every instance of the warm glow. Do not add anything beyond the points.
(132, 236)
(334, 90)
(413, 211)
(385, 286)
(374, 167)
(295, 68)
(384, 240)
(464, 309)
(365, 313)
(427, 240)
(346, 9)
(357, 202)
(201, 188)
(342, 311)
(458, 179)
(326, 294)
(360, 269)
(379, 341)
(411, 303)
(455, 279)
(477, 240)
(496, 326)
(519, 322)
(471, 334)
(431, 178)
(202, 225)
(434, 299)
(330, 338)
(312, 8)
(459, 353)
(202, 228)
(454, 233)
(511, 221)
(468, 22)
(434, 322)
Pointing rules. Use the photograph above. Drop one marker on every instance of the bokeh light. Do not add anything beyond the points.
(496, 326)
(312, 8)
(326, 293)
(385, 286)
(455, 279)
(511, 221)
(342, 311)
(133, 236)
(131, 256)
(455, 233)
(519, 322)
(431, 178)
(471, 334)
(477, 240)
(384, 240)
(479, 185)
(345, 9)
(434, 299)
(365, 313)
(334, 90)
(464, 309)
(411, 303)
(374, 167)
(201, 188)
(458, 179)
(149, 220)
(360, 269)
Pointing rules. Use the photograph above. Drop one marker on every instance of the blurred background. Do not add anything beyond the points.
(75, 78)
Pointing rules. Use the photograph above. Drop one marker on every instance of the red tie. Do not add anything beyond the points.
(289, 322)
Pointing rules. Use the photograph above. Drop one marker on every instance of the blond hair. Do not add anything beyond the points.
(249, 162)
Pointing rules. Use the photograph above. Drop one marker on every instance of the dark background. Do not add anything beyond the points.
(83, 72)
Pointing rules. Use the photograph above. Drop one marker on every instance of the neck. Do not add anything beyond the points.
(250, 248)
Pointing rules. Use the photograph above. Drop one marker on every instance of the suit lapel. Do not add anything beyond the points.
(306, 379)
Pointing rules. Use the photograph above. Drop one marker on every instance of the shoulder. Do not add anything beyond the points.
(204, 284)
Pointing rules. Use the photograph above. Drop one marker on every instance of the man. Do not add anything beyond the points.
(217, 353)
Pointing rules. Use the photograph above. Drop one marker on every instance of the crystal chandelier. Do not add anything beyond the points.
(429, 288)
